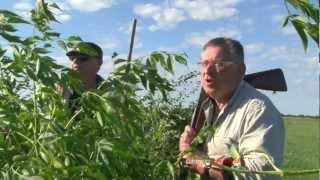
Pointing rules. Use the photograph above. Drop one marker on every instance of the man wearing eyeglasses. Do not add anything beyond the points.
(86, 58)
(241, 116)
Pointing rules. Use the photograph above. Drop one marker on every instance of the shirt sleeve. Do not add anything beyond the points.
(263, 134)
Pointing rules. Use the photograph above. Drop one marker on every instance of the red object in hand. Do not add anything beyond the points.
(223, 160)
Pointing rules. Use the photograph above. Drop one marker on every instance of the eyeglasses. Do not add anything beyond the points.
(217, 65)
(80, 58)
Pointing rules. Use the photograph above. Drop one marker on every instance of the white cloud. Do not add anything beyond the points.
(62, 60)
(9, 50)
(274, 6)
(253, 48)
(137, 43)
(248, 21)
(200, 38)
(294, 60)
(61, 14)
(83, 5)
(277, 53)
(63, 5)
(165, 18)
(63, 17)
(127, 27)
(147, 10)
(23, 6)
(108, 43)
(208, 9)
(278, 18)
(313, 65)
(301, 69)
(90, 6)
(106, 67)
(169, 48)
(287, 30)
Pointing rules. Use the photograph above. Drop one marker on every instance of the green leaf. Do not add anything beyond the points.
(10, 38)
(30, 40)
(54, 5)
(152, 87)
(74, 38)
(47, 45)
(300, 29)
(2, 52)
(286, 20)
(67, 161)
(41, 51)
(114, 55)
(181, 59)
(42, 8)
(63, 45)
(44, 157)
(118, 61)
(169, 64)
(52, 34)
(104, 144)
(158, 56)
(57, 164)
(38, 65)
(233, 152)
(1, 140)
(13, 17)
(313, 31)
(7, 27)
(143, 81)
(293, 3)
(171, 169)
(99, 119)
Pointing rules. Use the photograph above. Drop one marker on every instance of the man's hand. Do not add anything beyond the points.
(196, 165)
(222, 160)
(199, 167)
(186, 138)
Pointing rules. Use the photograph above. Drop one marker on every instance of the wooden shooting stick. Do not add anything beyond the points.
(272, 80)
(134, 24)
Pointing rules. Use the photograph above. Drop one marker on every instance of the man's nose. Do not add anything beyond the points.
(210, 68)
(75, 61)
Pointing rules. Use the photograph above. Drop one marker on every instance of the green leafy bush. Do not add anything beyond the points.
(126, 129)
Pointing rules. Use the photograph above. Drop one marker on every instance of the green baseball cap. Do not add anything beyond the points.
(88, 49)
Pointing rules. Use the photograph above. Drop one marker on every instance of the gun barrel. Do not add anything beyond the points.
(272, 80)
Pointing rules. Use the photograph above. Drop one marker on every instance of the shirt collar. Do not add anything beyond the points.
(233, 98)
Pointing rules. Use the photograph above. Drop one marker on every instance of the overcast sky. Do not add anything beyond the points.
(184, 26)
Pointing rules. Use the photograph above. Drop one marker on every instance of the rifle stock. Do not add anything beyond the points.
(272, 80)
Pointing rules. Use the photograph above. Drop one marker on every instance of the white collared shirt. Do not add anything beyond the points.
(252, 124)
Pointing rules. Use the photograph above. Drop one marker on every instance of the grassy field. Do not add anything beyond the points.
(302, 150)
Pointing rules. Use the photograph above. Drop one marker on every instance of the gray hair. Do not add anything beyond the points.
(230, 46)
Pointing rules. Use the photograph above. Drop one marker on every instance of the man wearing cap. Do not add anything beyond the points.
(86, 58)
(242, 117)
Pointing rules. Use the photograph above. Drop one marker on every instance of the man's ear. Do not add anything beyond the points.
(98, 63)
(242, 69)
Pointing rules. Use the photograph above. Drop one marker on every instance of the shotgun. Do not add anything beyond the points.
(272, 80)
